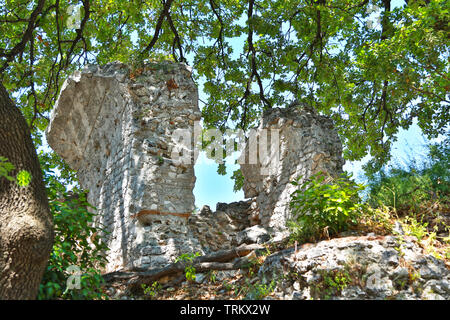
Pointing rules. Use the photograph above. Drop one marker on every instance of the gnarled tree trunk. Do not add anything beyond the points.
(26, 228)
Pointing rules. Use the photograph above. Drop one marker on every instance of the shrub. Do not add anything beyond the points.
(73, 230)
(379, 220)
(415, 228)
(322, 205)
(332, 285)
(189, 269)
(411, 189)
(438, 167)
(153, 290)
(77, 244)
(400, 189)
(259, 290)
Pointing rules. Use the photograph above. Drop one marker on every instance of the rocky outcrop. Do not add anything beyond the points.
(304, 143)
(363, 267)
(115, 126)
(220, 229)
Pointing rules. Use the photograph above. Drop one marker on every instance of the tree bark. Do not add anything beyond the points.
(26, 227)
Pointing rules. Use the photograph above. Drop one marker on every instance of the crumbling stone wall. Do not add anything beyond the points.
(220, 229)
(308, 143)
(114, 126)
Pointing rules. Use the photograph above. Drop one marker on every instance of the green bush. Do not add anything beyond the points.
(73, 230)
(259, 290)
(77, 244)
(438, 167)
(332, 284)
(188, 259)
(400, 189)
(409, 189)
(152, 290)
(321, 205)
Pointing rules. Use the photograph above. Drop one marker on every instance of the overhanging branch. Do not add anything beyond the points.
(163, 14)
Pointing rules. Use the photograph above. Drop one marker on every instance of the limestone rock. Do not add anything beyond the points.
(206, 211)
(367, 267)
(200, 277)
(219, 230)
(254, 234)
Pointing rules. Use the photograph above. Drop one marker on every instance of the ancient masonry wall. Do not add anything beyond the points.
(114, 126)
(308, 143)
(220, 229)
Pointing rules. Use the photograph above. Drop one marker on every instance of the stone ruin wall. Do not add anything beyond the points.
(308, 144)
(114, 126)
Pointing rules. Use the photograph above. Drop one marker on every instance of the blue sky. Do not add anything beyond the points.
(210, 187)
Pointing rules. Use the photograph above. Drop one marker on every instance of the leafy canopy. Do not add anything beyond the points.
(369, 65)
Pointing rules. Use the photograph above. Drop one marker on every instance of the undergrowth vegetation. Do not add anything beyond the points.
(323, 206)
(415, 188)
(73, 270)
(188, 259)
(415, 198)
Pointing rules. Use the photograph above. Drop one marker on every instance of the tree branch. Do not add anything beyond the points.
(164, 13)
(27, 35)
(220, 37)
(254, 70)
(177, 39)
(215, 261)
(79, 36)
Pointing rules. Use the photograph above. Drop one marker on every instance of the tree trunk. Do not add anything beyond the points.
(26, 227)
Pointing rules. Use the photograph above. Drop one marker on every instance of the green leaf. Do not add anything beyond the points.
(23, 178)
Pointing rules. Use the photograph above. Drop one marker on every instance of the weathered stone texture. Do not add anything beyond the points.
(114, 127)
(308, 143)
(374, 268)
(219, 230)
